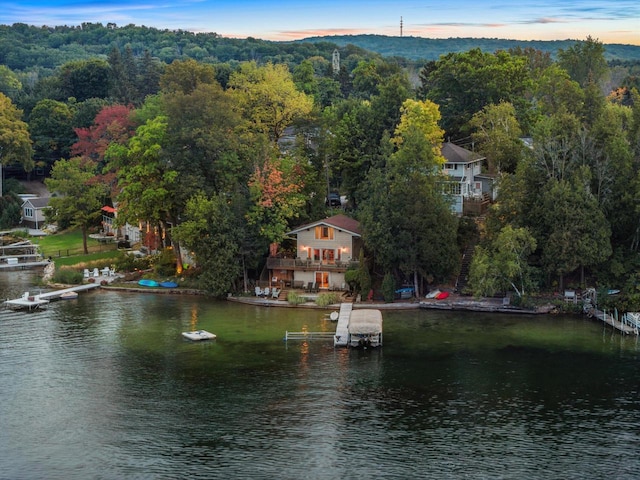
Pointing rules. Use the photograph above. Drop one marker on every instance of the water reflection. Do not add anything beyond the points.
(105, 387)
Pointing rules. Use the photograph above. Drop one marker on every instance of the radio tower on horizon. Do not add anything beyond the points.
(400, 26)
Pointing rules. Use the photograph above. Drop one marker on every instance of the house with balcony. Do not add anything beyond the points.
(325, 249)
(470, 190)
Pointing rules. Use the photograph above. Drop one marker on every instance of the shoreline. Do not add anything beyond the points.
(453, 302)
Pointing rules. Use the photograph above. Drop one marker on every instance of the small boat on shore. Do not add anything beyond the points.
(69, 296)
(147, 283)
(168, 284)
(199, 335)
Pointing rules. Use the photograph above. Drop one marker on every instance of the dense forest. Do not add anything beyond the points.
(425, 49)
(228, 147)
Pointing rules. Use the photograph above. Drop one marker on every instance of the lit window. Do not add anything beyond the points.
(324, 233)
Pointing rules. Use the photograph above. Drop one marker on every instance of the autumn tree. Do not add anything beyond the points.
(15, 142)
(269, 98)
(275, 188)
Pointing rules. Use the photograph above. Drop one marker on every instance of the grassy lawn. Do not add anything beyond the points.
(69, 244)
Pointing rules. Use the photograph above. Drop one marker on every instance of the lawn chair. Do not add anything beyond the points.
(275, 293)
(266, 292)
(308, 287)
(259, 292)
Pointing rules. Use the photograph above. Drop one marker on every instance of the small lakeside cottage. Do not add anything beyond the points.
(33, 212)
(325, 249)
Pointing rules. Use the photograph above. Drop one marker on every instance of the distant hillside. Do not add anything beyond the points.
(417, 48)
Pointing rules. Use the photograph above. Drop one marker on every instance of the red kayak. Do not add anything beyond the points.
(442, 295)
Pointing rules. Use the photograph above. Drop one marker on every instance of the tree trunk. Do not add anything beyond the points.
(84, 239)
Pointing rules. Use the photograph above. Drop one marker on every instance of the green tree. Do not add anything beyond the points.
(51, 128)
(147, 182)
(496, 132)
(504, 264)
(407, 222)
(211, 231)
(84, 79)
(578, 234)
(464, 83)
(584, 61)
(76, 199)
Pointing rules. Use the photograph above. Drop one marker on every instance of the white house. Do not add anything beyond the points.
(466, 182)
(324, 251)
(33, 212)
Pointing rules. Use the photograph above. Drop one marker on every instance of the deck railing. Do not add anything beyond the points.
(275, 263)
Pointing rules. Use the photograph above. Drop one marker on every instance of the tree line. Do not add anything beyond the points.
(203, 151)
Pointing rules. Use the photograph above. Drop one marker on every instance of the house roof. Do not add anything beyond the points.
(39, 202)
(341, 222)
(455, 154)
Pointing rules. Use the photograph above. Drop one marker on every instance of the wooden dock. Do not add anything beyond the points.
(623, 325)
(35, 302)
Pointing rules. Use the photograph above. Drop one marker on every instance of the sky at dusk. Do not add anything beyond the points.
(607, 21)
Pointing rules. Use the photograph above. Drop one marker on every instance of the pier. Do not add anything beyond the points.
(360, 328)
(628, 324)
(37, 301)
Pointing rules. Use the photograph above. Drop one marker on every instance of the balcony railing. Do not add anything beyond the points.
(276, 263)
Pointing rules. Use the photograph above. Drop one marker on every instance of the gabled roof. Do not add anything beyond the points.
(455, 154)
(341, 222)
(39, 202)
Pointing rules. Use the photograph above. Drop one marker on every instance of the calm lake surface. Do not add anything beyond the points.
(105, 387)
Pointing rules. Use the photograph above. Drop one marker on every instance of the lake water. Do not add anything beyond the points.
(105, 387)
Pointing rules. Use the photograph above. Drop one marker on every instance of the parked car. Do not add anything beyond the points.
(333, 200)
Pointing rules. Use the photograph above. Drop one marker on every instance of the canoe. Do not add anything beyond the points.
(147, 283)
(442, 295)
(199, 335)
(168, 284)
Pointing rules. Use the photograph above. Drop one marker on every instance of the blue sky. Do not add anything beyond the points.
(607, 21)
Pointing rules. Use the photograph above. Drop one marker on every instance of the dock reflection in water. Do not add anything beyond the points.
(106, 387)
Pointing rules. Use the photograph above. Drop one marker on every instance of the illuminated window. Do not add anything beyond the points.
(324, 233)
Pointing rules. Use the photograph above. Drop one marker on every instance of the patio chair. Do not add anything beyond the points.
(266, 292)
(308, 287)
(275, 293)
(259, 292)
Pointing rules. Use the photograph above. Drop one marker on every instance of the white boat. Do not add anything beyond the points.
(69, 296)
(199, 335)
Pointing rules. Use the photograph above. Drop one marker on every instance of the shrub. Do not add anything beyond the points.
(326, 299)
(388, 288)
(67, 276)
(294, 299)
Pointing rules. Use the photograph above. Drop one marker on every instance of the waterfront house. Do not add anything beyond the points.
(470, 190)
(325, 249)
